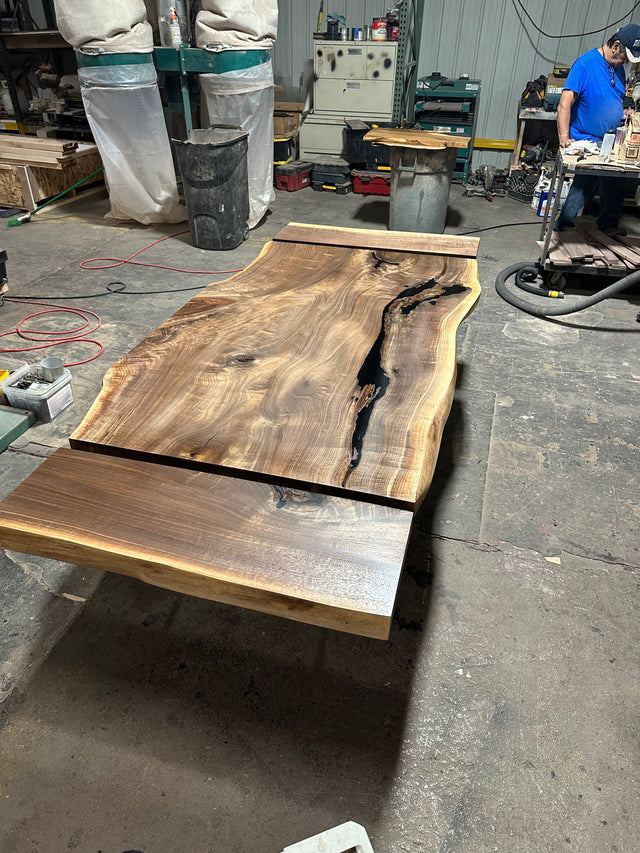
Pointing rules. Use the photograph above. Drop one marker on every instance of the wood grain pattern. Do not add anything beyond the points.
(317, 381)
(409, 138)
(318, 559)
(9, 141)
(363, 238)
(319, 366)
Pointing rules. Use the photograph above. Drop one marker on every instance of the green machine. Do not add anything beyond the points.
(181, 63)
(449, 106)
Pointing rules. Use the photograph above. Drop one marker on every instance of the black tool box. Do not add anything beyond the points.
(338, 188)
(361, 153)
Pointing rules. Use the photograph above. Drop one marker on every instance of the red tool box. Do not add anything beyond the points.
(293, 176)
(370, 183)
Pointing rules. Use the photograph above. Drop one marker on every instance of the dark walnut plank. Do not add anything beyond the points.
(322, 367)
(310, 557)
(364, 238)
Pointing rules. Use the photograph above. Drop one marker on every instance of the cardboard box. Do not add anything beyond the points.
(629, 150)
(286, 118)
(553, 90)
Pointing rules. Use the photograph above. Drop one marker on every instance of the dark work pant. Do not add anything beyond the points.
(583, 188)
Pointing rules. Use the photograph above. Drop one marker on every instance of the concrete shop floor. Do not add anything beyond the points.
(502, 715)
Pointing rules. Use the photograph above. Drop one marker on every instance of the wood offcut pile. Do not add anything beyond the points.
(34, 168)
(586, 245)
(21, 150)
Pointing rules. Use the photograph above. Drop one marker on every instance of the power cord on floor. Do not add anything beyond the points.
(120, 261)
(493, 227)
(121, 287)
(44, 339)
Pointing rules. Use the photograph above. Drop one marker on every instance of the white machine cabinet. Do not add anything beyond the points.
(355, 78)
(351, 80)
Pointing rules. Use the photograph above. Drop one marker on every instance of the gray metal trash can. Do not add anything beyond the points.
(420, 183)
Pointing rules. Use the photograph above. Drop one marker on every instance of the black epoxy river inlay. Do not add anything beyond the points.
(372, 378)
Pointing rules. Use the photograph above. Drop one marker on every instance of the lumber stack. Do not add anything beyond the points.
(586, 245)
(35, 168)
(268, 444)
(40, 151)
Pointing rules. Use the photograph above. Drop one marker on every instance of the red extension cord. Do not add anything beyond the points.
(45, 339)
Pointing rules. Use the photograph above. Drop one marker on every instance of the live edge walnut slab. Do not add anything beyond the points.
(268, 444)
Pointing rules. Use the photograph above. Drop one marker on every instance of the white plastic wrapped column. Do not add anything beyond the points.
(124, 111)
(245, 99)
(237, 23)
(116, 26)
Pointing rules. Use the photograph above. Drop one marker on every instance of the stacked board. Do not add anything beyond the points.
(33, 168)
(587, 245)
(268, 444)
(37, 151)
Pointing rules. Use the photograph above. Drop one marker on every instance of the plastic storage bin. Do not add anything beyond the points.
(363, 153)
(284, 148)
(45, 399)
(213, 164)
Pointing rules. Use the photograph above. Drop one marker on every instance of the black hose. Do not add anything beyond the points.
(558, 310)
(526, 279)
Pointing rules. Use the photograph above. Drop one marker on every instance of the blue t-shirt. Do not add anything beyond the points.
(600, 89)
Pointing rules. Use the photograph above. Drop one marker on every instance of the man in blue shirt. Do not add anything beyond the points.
(590, 106)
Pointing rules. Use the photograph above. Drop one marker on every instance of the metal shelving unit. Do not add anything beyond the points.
(409, 36)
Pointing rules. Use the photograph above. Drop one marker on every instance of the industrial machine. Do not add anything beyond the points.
(449, 106)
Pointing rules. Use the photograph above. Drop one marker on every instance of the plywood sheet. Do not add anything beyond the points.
(319, 559)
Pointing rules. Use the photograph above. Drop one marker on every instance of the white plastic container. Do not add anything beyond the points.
(46, 399)
(544, 198)
(543, 185)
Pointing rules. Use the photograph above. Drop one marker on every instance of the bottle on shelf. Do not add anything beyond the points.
(172, 23)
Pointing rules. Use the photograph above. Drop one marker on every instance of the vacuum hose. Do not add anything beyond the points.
(524, 271)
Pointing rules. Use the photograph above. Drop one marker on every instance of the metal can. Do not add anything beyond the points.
(356, 34)
(379, 29)
(393, 31)
(344, 33)
(367, 32)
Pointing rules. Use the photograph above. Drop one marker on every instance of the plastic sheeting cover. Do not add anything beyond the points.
(135, 148)
(245, 99)
(237, 23)
(117, 26)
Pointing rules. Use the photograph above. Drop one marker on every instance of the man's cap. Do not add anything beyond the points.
(629, 36)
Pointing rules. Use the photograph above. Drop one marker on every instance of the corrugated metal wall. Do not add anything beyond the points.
(488, 39)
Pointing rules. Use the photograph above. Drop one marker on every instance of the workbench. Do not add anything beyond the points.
(585, 249)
